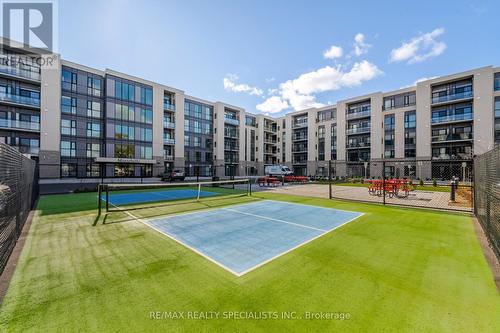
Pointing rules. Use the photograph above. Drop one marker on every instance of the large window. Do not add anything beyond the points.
(146, 96)
(146, 134)
(125, 91)
(93, 170)
(497, 81)
(68, 148)
(93, 109)
(69, 80)
(124, 132)
(68, 104)
(68, 170)
(146, 152)
(124, 150)
(94, 86)
(93, 130)
(68, 127)
(93, 150)
(124, 112)
(410, 119)
(146, 116)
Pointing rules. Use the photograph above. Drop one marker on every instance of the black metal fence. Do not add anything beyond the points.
(18, 191)
(487, 195)
(424, 183)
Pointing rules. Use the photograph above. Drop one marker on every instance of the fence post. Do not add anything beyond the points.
(99, 199)
(383, 181)
(107, 198)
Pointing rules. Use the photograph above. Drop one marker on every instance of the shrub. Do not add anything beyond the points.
(434, 182)
(421, 183)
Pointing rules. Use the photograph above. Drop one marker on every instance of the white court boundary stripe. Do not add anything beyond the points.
(223, 266)
(273, 219)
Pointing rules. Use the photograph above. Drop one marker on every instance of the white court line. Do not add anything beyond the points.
(273, 219)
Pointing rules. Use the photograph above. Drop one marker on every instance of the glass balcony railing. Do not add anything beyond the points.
(168, 141)
(168, 124)
(229, 134)
(230, 147)
(299, 137)
(358, 145)
(169, 106)
(359, 114)
(19, 99)
(300, 123)
(18, 124)
(452, 97)
(452, 117)
(168, 157)
(270, 129)
(27, 149)
(358, 130)
(452, 137)
(15, 71)
(231, 121)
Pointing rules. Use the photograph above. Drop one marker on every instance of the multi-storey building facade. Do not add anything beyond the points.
(80, 124)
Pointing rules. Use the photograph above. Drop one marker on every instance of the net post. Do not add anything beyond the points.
(199, 191)
(330, 179)
(383, 181)
(107, 198)
(99, 199)
(249, 188)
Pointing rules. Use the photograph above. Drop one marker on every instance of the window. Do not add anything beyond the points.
(146, 96)
(124, 132)
(207, 128)
(93, 109)
(93, 150)
(124, 91)
(146, 116)
(93, 170)
(68, 148)
(410, 119)
(93, 130)
(197, 127)
(124, 112)
(68, 104)
(208, 113)
(146, 134)
(69, 80)
(68, 127)
(94, 86)
(124, 150)
(197, 111)
(68, 170)
(389, 122)
(186, 125)
(197, 141)
(146, 152)
(497, 81)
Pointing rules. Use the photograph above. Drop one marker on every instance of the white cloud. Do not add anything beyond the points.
(333, 52)
(270, 79)
(300, 93)
(230, 85)
(273, 104)
(360, 47)
(420, 48)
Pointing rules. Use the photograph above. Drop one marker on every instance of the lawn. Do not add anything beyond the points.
(393, 269)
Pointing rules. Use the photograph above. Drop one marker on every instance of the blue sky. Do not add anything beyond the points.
(269, 56)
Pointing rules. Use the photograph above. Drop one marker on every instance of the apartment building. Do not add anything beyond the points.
(82, 124)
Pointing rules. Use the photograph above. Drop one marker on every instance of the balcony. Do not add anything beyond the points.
(270, 140)
(299, 161)
(168, 141)
(21, 125)
(6, 97)
(231, 147)
(168, 157)
(299, 137)
(270, 129)
(233, 135)
(359, 130)
(453, 97)
(452, 118)
(300, 123)
(452, 137)
(358, 145)
(15, 71)
(168, 124)
(231, 121)
(169, 107)
(359, 114)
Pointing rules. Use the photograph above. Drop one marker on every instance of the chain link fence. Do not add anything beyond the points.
(18, 191)
(439, 184)
(487, 195)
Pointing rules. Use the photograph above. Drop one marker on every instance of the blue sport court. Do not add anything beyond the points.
(153, 196)
(243, 237)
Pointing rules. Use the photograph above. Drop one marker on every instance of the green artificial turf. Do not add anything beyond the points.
(393, 269)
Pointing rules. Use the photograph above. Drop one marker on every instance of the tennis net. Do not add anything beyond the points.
(131, 196)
